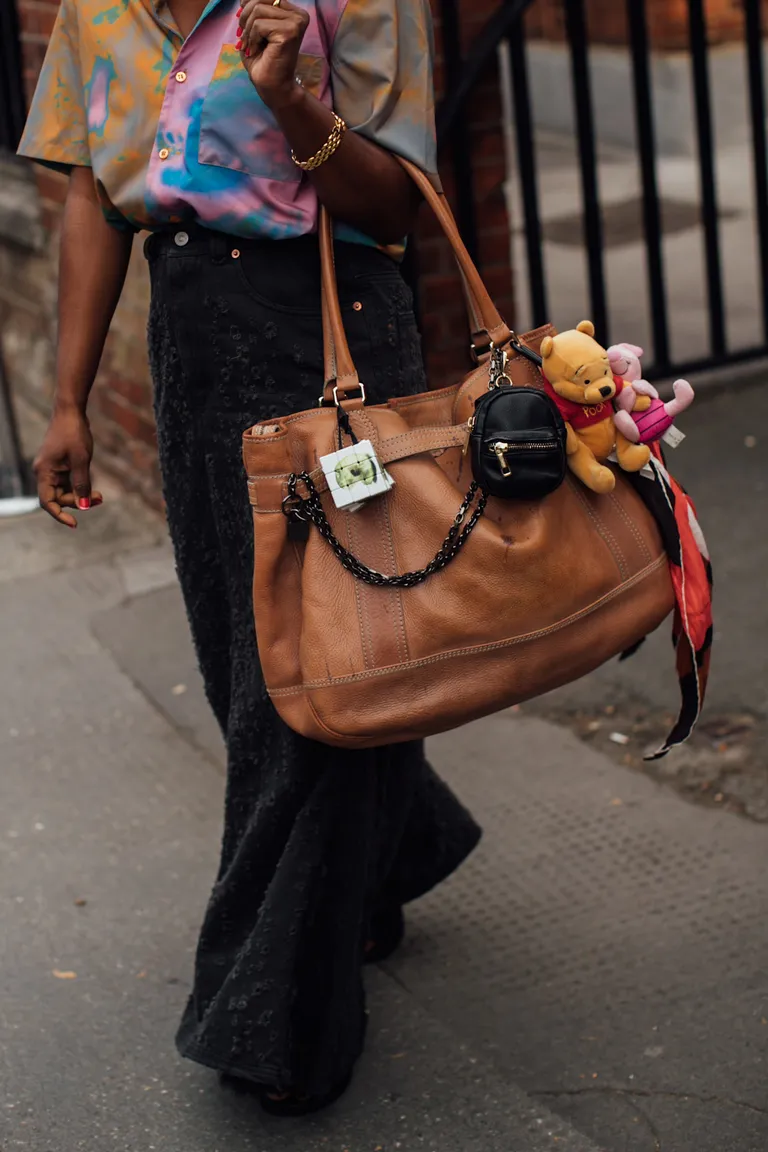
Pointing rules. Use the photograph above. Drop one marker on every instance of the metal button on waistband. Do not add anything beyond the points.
(181, 238)
(235, 253)
(180, 77)
(163, 153)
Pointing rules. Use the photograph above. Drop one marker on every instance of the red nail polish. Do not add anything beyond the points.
(239, 45)
(239, 12)
(84, 503)
(239, 30)
(247, 51)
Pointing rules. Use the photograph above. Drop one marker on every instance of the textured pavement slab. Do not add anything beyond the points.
(605, 946)
(109, 833)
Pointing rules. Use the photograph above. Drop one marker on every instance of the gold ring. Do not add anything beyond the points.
(275, 3)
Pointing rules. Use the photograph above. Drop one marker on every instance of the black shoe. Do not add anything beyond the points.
(290, 1105)
(385, 934)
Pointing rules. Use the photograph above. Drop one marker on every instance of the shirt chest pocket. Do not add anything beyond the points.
(238, 131)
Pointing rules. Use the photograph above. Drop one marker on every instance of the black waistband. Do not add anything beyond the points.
(194, 240)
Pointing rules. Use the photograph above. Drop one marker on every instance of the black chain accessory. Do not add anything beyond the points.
(311, 509)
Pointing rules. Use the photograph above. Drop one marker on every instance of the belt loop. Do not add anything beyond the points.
(219, 248)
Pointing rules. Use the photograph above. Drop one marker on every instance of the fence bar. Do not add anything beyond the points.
(12, 110)
(646, 142)
(585, 124)
(526, 160)
(704, 128)
(461, 144)
(480, 56)
(12, 472)
(754, 33)
(708, 363)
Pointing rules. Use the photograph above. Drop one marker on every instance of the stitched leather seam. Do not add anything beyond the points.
(402, 643)
(365, 632)
(479, 649)
(605, 533)
(331, 732)
(419, 440)
(423, 398)
(641, 543)
(449, 431)
(383, 511)
(365, 638)
(453, 434)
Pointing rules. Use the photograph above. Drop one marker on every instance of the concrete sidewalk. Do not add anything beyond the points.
(109, 837)
(593, 979)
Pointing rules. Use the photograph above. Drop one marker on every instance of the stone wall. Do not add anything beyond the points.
(121, 404)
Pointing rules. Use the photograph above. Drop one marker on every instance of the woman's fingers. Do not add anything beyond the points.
(260, 21)
(71, 499)
(56, 496)
(51, 495)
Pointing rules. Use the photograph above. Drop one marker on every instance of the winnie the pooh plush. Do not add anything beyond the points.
(578, 377)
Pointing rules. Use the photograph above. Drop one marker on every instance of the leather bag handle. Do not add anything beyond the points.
(340, 374)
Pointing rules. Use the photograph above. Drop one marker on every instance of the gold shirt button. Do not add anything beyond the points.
(181, 77)
(163, 153)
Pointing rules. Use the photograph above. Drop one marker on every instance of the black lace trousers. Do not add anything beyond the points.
(314, 838)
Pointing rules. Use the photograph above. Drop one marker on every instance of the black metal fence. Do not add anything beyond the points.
(12, 108)
(14, 475)
(507, 26)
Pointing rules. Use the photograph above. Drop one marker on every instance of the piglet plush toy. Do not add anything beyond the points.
(656, 420)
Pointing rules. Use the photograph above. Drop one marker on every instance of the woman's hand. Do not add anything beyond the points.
(361, 184)
(270, 36)
(63, 466)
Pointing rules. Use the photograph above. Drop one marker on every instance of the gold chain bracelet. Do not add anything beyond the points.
(327, 150)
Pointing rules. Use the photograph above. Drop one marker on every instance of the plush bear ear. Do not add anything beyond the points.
(547, 346)
(587, 327)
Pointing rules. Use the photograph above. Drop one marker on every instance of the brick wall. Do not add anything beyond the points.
(121, 400)
(121, 407)
(667, 21)
(444, 317)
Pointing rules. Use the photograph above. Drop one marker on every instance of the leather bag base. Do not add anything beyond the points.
(542, 594)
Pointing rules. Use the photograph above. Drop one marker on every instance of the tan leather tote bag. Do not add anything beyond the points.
(357, 647)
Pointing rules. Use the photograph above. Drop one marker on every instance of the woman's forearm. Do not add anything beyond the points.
(92, 266)
(361, 184)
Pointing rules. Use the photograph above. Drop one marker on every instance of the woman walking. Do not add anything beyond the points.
(219, 131)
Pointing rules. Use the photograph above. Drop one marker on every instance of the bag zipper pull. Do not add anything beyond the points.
(501, 448)
(498, 369)
(470, 426)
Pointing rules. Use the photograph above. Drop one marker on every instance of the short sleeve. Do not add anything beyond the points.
(56, 132)
(382, 76)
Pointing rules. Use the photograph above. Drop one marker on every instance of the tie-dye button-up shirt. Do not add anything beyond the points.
(175, 131)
